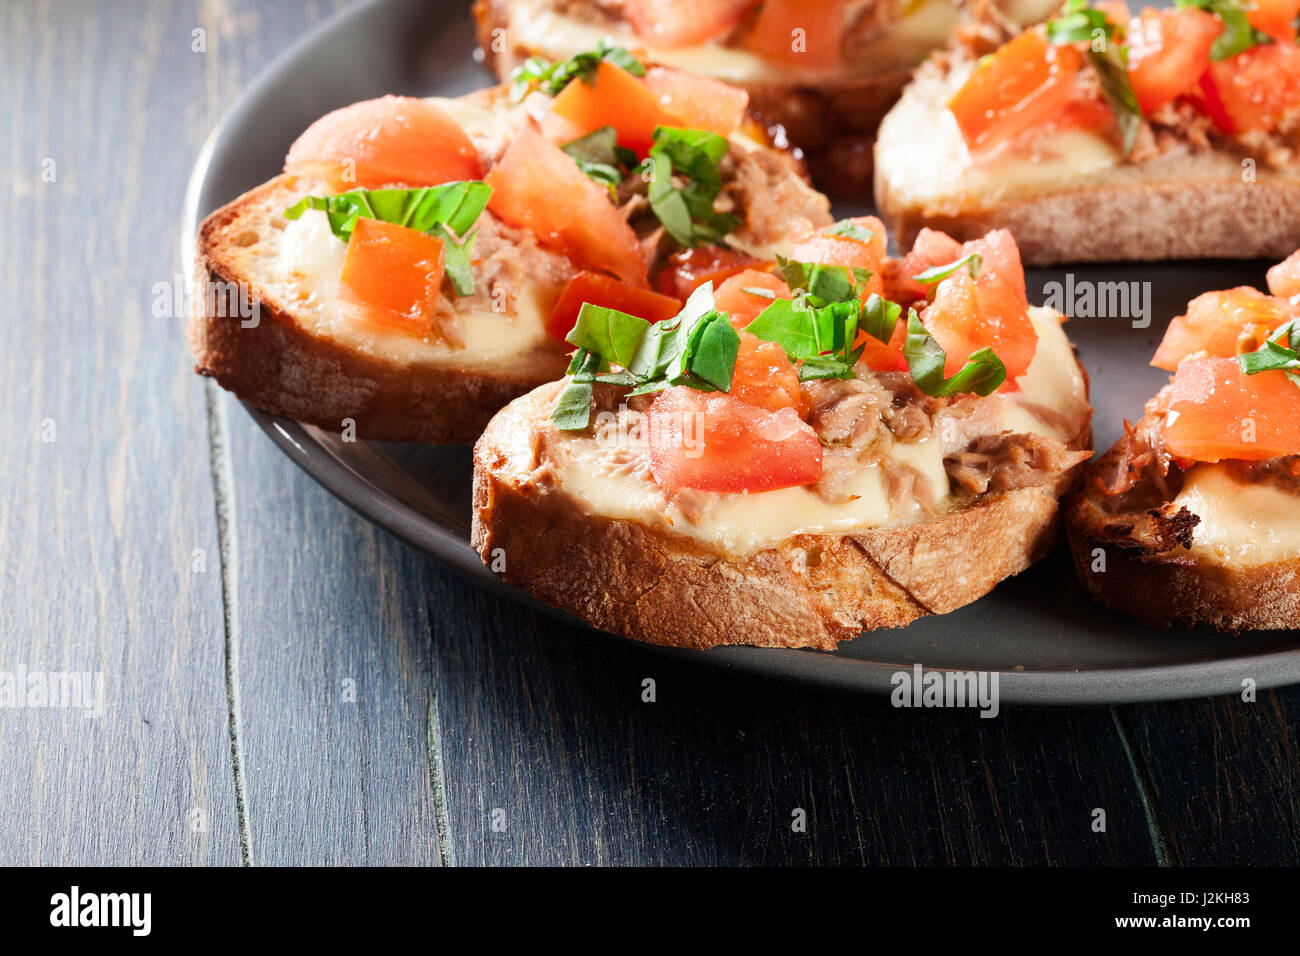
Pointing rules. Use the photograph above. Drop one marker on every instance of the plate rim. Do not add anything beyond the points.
(1052, 687)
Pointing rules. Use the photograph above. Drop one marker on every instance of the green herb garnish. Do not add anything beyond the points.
(698, 349)
(823, 284)
(850, 230)
(973, 260)
(1238, 34)
(982, 374)
(448, 211)
(1273, 355)
(687, 212)
(551, 78)
(600, 157)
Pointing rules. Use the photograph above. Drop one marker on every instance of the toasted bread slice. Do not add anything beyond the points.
(296, 357)
(1071, 198)
(271, 327)
(809, 590)
(1211, 545)
(577, 519)
(829, 114)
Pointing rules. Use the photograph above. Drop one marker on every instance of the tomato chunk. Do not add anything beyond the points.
(716, 442)
(537, 187)
(609, 292)
(1024, 84)
(999, 262)
(885, 356)
(764, 377)
(616, 99)
(829, 248)
(801, 33)
(1257, 87)
(394, 140)
(743, 307)
(1275, 17)
(673, 23)
(1216, 411)
(1284, 278)
(1216, 322)
(688, 269)
(698, 102)
(1168, 50)
(391, 275)
(969, 314)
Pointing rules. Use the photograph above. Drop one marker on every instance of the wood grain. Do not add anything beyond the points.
(108, 548)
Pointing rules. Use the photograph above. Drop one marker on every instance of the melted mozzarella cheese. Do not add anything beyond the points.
(1241, 524)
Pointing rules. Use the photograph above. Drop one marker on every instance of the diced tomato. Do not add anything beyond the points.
(391, 275)
(1275, 17)
(1257, 87)
(1284, 278)
(609, 292)
(1213, 105)
(1117, 11)
(801, 33)
(616, 99)
(715, 442)
(394, 140)
(885, 356)
(537, 187)
(743, 307)
(688, 269)
(1168, 50)
(673, 23)
(764, 377)
(1024, 84)
(999, 261)
(698, 102)
(1216, 321)
(832, 249)
(1216, 411)
(967, 315)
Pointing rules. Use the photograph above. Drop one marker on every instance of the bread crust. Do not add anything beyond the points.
(833, 125)
(288, 370)
(814, 590)
(1174, 587)
(1145, 222)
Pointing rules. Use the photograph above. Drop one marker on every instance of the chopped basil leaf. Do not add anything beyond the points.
(1238, 34)
(551, 78)
(687, 212)
(698, 348)
(982, 373)
(1275, 356)
(448, 211)
(880, 317)
(598, 155)
(934, 274)
(850, 230)
(822, 339)
(823, 284)
(1078, 25)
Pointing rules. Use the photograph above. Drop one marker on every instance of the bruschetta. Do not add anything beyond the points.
(410, 270)
(839, 442)
(1103, 136)
(1192, 516)
(823, 72)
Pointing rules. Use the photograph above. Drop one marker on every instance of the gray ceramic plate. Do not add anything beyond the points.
(1049, 643)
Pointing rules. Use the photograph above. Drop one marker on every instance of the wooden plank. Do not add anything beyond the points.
(1223, 777)
(108, 545)
(545, 724)
(333, 682)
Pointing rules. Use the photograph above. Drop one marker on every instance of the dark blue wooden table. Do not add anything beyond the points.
(283, 683)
